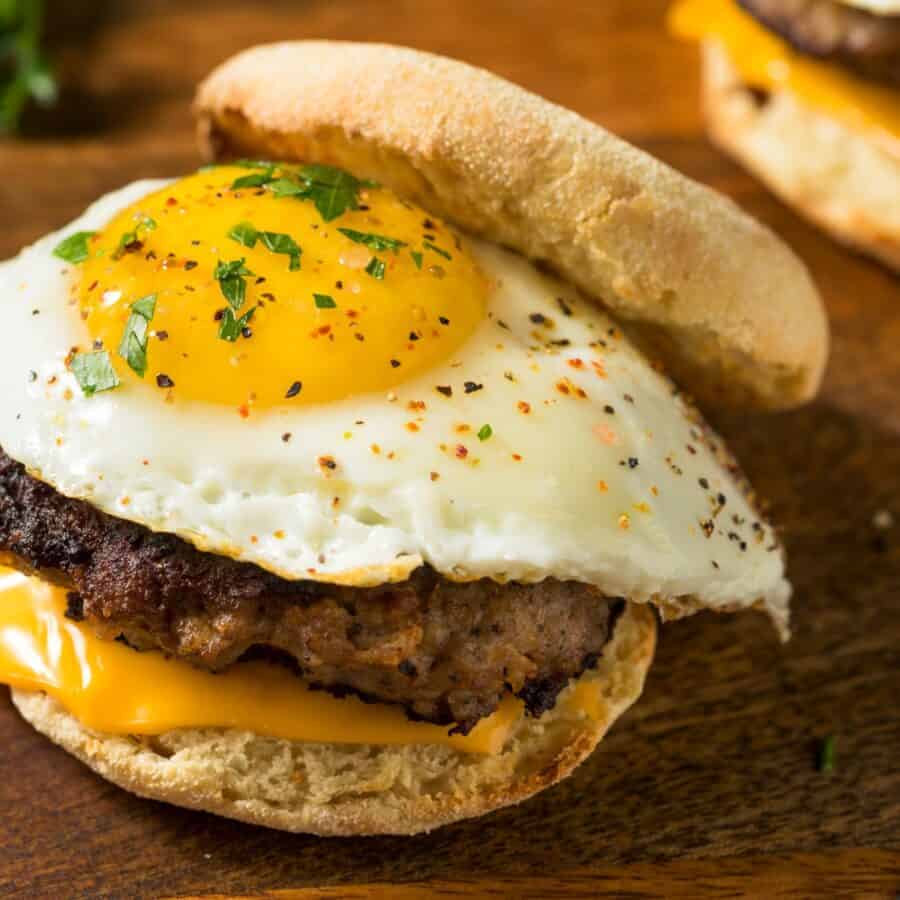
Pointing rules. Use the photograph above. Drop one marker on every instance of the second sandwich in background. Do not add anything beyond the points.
(806, 94)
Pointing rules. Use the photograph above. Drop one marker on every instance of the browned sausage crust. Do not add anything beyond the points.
(447, 652)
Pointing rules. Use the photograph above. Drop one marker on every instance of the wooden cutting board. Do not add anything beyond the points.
(709, 785)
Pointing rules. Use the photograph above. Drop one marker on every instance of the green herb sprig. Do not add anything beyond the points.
(25, 72)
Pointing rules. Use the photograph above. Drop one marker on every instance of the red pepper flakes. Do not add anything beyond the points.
(411, 426)
(434, 476)
(416, 405)
(517, 457)
(244, 411)
(576, 363)
(524, 407)
(461, 451)
(327, 462)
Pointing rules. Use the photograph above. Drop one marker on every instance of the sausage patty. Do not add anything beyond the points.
(828, 29)
(446, 651)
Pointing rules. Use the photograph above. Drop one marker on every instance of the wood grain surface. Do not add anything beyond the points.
(708, 787)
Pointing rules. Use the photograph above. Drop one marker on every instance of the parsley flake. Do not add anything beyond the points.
(94, 372)
(416, 258)
(132, 239)
(133, 347)
(375, 268)
(282, 243)
(284, 187)
(74, 249)
(245, 234)
(485, 432)
(375, 241)
(231, 277)
(332, 190)
(231, 327)
(324, 301)
(825, 757)
(254, 179)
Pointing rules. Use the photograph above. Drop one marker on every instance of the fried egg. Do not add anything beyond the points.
(297, 369)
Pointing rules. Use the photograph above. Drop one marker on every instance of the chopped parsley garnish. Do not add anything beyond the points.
(74, 249)
(429, 246)
(332, 190)
(231, 326)
(324, 301)
(282, 243)
(485, 432)
(132, 239)
(94, 372)
(245, 234)
(825, 759)
(375, 268)
(416, 258)
(254, 179)
(231, 277)
(133, 347)
(375, 241)
(284, 187)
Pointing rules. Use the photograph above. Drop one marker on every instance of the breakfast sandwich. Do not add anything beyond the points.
(341, 485)
(806, 94)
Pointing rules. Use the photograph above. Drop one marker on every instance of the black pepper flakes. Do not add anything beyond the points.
(444, 389)
(286, 437)
(162, 335)
(564, 307)
(395, 363)
(443, 320)
(164, 381)
(471, 387)
(704, 483)
(538, 318)
(190, 264)
(293, 390)
(632, 462)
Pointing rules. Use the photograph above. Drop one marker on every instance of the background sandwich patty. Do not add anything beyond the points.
(828, 29)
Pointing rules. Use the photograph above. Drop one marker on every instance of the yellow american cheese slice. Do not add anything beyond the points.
(114, 689)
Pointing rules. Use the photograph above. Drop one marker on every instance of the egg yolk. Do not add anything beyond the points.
(262, 284)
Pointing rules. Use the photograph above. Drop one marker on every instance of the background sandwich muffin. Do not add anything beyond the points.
(807, 95)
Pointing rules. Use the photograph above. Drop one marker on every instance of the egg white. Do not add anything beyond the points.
(238, 487)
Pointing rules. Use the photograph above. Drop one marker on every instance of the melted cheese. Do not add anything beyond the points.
(114, 689)
(766, 61)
